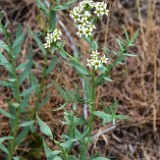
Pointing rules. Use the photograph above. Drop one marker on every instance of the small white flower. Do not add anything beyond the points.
(83, 19)
(89, 62)
(87, 14)
(85, 2)
(104, 59)
(52, 37)
(47, 45)
(97, 12)
(101, 9)
(103, 5)
(95, 53)
(96, 63)
(80, 32)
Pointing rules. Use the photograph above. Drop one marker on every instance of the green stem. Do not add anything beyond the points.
(93, 102)
(65, 156)
(85, 143)
(16, 84)
(50, 14)
(41, 88)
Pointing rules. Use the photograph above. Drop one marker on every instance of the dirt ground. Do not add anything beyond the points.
(136, 85)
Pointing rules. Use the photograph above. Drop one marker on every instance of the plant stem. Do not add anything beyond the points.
(65, 156)
(40, 91)
(84, 146)
(18, 98)
(92, 116)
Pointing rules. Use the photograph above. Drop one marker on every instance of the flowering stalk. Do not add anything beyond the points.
(85, 16)
(49, 38)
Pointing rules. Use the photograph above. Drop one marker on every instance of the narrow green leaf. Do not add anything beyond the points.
(6, 114)
(4, 149)
(126, 33)
(39, 43)
(81, 136)
(55, 158)
(13, 112)
(33, 80)
(53, 20)
(16, 158)
(94, 45)
(17, 45)
(80, 69)
(114, 106)
(61, 107)
(22, 66)
(24, 103)
(26, 124)
(130, 55)
(67, 144)
(2, 139)
(65, 6)
(24, 132)
(42, 7)
(62, 92)
(88, 90)
(100, 80)
(63, 55)
(44, 101)
(5, 84)
(4, 45)
(52, 65)
(44, 128)
(133, 38)
(108, 79)
(58, 2)
(5, 63)
(25, 73)
(47, 150)
(100, 158)
(28, 91)
(121, 117)
(103, 115)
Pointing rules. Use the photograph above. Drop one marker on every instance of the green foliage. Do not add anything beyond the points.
(2, 147)
(19, 99)
(17, 45)
(39, 43)
(42, 7)
(6, 114)
(44, 128)
(64, 6)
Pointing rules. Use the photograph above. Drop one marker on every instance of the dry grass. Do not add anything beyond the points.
(136, 85)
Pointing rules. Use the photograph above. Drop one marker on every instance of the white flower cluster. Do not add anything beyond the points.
(84, 15)
(52, 37)
(96, 60)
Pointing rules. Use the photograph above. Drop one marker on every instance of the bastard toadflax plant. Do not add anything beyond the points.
(93, 72)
